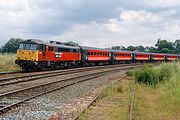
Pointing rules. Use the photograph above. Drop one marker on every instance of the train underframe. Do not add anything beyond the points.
(44, 65)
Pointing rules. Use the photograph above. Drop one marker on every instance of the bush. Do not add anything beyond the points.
(165, 72)
(147, 75)
(154, 75)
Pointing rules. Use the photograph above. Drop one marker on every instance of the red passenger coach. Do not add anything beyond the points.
(158, 57)
(97, 55)
(172, 57)
(142, 56)
(123, 56)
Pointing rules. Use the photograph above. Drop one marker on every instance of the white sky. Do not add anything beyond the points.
(98, 23)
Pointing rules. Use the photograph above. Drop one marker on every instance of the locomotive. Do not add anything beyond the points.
(36, 54)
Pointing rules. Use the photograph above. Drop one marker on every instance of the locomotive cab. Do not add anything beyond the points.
(28, 54)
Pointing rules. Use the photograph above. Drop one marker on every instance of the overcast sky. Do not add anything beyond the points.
(99, 23)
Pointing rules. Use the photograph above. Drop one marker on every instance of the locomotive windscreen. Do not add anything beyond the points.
(27, 46)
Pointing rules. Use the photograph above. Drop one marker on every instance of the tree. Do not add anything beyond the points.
(177, 44)
(1, 50)
(165, 50)
(140, 48)
(116, 47)
(131, 48)
(12, 45)
(164, 44)
(152, 49)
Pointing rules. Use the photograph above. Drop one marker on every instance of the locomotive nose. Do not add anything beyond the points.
(26, 55)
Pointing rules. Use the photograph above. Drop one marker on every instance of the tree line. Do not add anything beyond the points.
(162, 46)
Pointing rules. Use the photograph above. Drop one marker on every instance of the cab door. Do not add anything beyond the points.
(42, 52)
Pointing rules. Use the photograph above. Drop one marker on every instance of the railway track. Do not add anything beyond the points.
(131, 109)
(36, 76)
(9, 72)
(10, 75)
(14, 98)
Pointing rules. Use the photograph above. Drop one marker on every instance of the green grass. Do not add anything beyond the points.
(161, 101)
(170, 93)
(7, 62)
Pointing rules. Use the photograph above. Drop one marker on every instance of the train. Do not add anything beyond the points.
(34, 54)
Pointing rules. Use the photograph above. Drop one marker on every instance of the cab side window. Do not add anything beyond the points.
(40, 47)
(50, 49)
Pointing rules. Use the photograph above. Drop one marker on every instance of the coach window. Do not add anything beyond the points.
(70, 50)
(67, 50)
(88, 53)
(60, 50)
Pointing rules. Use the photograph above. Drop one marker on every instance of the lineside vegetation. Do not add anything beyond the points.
(150, 75)
(7, 62)
(158, 91)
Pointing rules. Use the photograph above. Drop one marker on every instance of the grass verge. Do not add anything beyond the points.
(112, 104)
